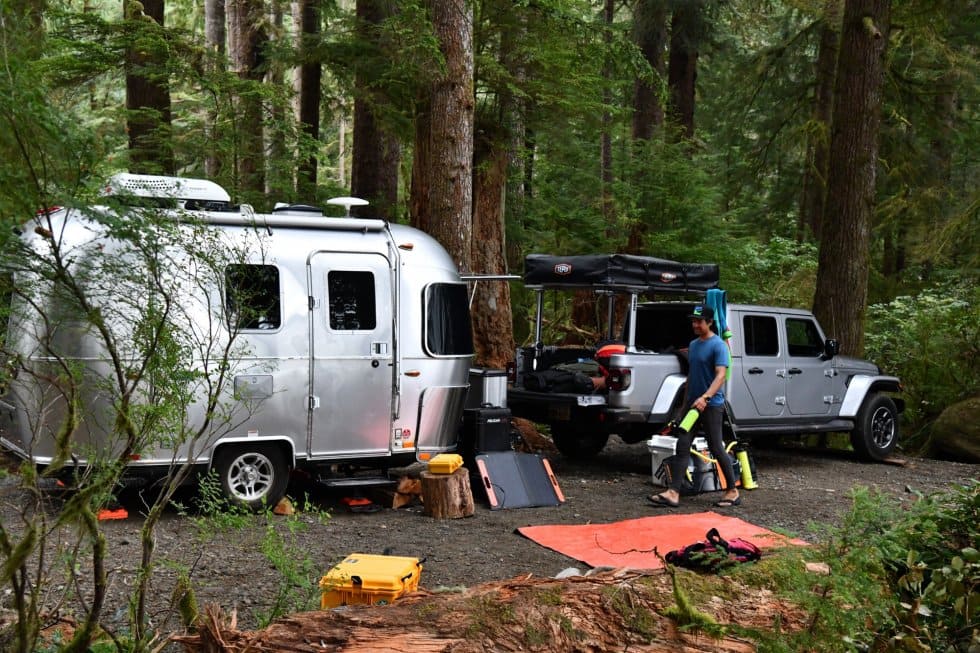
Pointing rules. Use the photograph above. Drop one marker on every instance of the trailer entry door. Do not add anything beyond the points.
(351, 315)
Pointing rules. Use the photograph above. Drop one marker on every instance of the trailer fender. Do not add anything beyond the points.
(284, 443)
(861, 386)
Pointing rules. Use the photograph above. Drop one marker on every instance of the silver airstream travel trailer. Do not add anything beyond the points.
(359, 359)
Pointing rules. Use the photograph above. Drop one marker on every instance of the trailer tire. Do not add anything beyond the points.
(875, 433)
(254, 476)
(576, 443)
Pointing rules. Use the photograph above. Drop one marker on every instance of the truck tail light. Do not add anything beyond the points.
(620, 378)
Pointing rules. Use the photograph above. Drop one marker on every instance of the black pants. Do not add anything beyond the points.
(711, 419)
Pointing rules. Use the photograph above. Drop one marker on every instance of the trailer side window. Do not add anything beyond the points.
(252, 297)
(761, 337)
(447, 320)
(352, 301)
(802, 338)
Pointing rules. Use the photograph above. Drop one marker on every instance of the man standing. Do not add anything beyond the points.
(708, 364)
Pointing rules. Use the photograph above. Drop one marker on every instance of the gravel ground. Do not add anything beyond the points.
(797, 487)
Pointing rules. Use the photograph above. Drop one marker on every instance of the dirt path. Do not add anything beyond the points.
(796, 488)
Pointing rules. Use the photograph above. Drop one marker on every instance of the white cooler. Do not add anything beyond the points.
(662, 447)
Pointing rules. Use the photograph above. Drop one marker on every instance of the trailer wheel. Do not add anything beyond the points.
(254, 476)
(875, 433)
(576, 443)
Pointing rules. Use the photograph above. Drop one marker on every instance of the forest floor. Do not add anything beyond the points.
(799, 489)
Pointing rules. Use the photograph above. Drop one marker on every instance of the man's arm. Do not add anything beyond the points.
(721, 371)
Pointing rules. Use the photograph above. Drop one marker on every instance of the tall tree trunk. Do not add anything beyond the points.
(449, 169)
(376, 152)
(247, 39)
(493, 329)
(148, 92)
(842, 271)
(214, 38)
(818, 142)
(682, 66)
(420, 205)
(584, 301)
(279, 173)
(308, 96)
(605, 137)
(650, 35)
(513, 108)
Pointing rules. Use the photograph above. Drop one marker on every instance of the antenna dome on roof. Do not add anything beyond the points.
(347, 202)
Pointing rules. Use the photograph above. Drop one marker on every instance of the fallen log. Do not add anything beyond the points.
(621, 610)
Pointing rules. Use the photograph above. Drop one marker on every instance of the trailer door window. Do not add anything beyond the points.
(352, 301)
(252, 297)
(447, 320)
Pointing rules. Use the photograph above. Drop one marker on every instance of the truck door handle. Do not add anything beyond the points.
(756, 370)
(795, 370)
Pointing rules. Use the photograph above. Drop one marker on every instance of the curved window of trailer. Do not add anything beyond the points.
(447, 320)
(253, 297)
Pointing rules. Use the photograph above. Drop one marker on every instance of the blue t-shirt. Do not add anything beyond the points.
(703, 357)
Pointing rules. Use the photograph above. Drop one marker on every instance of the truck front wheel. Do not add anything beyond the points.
(577, 443)
(875, 433)
(252, 476)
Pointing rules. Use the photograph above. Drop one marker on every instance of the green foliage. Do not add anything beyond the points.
(913, 570)
(932, 342)
(687, 616)
(299, 588)
(214, 511)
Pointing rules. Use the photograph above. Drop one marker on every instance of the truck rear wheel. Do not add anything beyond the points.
(875, 433)
(253, 476)
(577, 443)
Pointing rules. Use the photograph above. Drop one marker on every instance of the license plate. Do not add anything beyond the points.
(591, 400)
(563, 412)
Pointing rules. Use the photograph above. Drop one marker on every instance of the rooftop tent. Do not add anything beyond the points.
(619, 270)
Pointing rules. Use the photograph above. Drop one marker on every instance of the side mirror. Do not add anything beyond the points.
(830, 348)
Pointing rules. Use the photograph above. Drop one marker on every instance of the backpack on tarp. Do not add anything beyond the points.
(714, 553)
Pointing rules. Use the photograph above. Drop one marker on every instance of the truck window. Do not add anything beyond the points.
(352, 301)
(663, 328)
(447, 320)
(252, 297)
(760, 335)
(802, 338)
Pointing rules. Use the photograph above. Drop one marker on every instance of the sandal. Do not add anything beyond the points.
(729, 503)
(661, 501)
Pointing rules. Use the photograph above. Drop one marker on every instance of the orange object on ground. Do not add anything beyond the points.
(630, 543)
(360, 504)
(106, 514)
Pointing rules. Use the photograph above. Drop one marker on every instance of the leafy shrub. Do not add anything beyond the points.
(932, 342)
(925, 557)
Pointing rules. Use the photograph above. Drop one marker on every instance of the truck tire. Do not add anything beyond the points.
(875, 433)
(254, 476)
(576, 443)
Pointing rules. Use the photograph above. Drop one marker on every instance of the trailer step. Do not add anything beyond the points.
(356, 481)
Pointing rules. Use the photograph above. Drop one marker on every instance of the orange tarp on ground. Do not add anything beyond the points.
(631, 543)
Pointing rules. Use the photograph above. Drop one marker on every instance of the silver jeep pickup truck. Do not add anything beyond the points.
(787, 378)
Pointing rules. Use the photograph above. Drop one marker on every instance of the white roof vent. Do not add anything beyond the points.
(347, 202)
(165, 187)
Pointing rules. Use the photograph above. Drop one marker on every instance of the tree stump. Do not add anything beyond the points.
(447, 496)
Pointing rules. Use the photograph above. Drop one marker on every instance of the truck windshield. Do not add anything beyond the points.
(447, 320)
